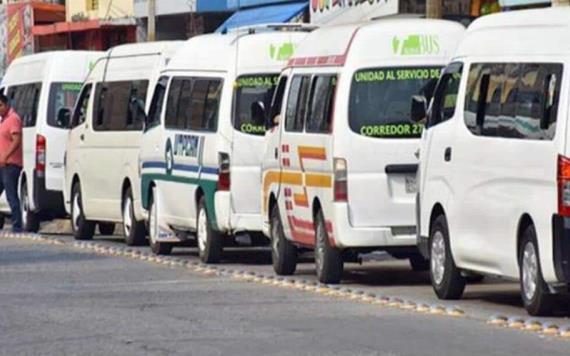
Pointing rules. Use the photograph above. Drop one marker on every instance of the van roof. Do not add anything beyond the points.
(53, 55)
(134, 49)
(258, 52)
(524, 32)
(384, 39)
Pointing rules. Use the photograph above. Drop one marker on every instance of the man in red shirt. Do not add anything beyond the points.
(11, 158)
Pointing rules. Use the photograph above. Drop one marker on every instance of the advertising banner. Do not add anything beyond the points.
(19, 24)
(348, 11)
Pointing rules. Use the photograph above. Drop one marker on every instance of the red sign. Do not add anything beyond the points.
(19, 25)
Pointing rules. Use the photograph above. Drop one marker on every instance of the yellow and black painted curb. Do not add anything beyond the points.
(333, 291)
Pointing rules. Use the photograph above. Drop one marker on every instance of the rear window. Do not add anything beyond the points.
(61, 95)
(251, 89)
(380, 100)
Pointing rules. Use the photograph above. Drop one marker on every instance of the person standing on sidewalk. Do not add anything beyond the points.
(11, 158)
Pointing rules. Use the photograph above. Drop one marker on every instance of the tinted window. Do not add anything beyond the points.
(157, 102)
(173, 120)
(297, 103)
(320, 115)
(445, 96)
(61, 96)
(81, 107)
(252, 89)
(380, 100)
(25, 101)
(114, 103)
(513, 100)
(277, 101)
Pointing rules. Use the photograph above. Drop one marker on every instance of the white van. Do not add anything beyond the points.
(202, 149)
(494, 193)
(339, 173)
(41, 87)
(101, 172)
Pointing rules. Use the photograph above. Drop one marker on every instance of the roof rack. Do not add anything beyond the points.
(293, 27)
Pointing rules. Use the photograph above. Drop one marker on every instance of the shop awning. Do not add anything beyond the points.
(67, 27)
(264, 15)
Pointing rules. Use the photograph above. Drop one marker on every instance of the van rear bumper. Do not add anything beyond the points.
(347, 236)
(561, 245)
(230, 222)
(47, 202)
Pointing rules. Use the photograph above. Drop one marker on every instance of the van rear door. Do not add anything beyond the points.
(381, 159)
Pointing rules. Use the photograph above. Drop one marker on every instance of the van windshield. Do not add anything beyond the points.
(250, 91)
(61, 95)
(380, 100)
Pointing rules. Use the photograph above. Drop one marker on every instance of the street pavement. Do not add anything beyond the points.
(62, 300)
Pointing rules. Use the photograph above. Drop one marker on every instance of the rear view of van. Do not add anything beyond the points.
(42, 89)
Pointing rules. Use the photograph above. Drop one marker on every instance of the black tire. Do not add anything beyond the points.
(419, 263)
(540, 302)
(474, 278)
(2, 220)
(210, 246)
(30, 219)
(133, 230)
(328, 259)
(283, 252)
(106, 228)
(450, 284)
(158, 248)
(83, 229)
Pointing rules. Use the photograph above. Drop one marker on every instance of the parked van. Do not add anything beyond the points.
(102, 176)
(494, 191)
(339, 173)
(202, 149)
(41, 87)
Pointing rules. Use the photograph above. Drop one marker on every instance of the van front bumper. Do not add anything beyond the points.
(347, 236)
(561, 245)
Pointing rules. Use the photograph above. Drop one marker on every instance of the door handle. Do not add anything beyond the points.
(447, 154)
(276, 153)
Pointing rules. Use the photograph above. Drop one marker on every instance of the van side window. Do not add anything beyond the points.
(175, 118)
(25, 100)
(80, 111)
(513, 100)
(297, 104)
(113, 102)
(277, 100)
(157, 102)
(61, 96)
(446, 93)
(252, 100)
(321, 104)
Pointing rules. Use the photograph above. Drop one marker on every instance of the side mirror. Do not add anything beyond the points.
(63, 117)
(419, 108)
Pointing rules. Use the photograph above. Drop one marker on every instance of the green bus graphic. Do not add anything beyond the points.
(416, 45)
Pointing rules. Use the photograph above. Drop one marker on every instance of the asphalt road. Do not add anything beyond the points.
(62, 300)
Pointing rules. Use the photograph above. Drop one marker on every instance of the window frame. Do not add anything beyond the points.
(451, 69)
(87, 90)
(329, 105)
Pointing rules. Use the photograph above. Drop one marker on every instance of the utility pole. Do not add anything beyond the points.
(434, 9)
(151, 36)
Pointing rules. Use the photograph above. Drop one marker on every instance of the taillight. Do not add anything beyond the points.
(564, 186)
(40, 155)
(340, 180)
(224, 180)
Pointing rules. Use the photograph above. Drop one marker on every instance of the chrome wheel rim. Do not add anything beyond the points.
(76, 212)
(529, 271)
(320, 248)
(153, 222)
(202, 230)
(127, 217)
(437, 263)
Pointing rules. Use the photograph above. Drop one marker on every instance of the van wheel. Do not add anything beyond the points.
(106, 229)
(209, 241)
(158, 248)
(419, 263)
(534, 291)
(30, 220)
(83, 229)
(133, 230)
(283, 252)
(445, 277)
(328, 260)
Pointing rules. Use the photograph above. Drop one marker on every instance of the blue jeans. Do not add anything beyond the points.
(10, 175)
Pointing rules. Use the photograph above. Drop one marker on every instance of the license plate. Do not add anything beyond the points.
(411, 185)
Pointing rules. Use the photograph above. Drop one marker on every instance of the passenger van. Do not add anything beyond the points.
(339, 173)
(203, 144)
(41, 87)
(494, 192)
(101, 173)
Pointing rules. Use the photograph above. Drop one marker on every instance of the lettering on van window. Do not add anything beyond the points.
(399, 130)
(380, 75)
(281, 52)
(186, 145)
(252, 129)
(71, 86)
(416, 45)
(262, 81)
